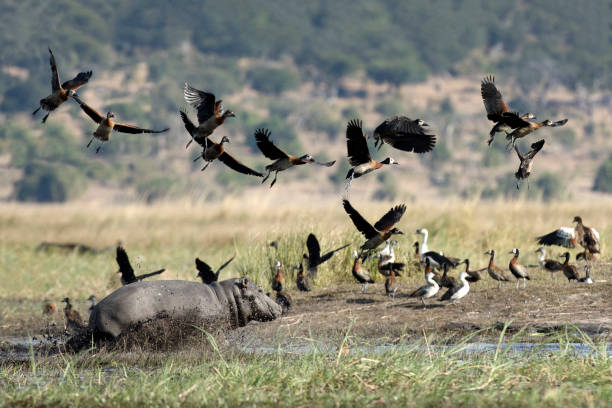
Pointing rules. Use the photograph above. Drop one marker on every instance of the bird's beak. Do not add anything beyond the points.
(511, 252)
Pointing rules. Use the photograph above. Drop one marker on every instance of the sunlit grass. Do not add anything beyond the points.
(415, 374)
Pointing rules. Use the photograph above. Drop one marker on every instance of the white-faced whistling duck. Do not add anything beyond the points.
(518, 270)
(359, 154)
(587, 278)
(427, 291)
(386, 259)
(60, 93)
(126, 270)
(73, 318)
(569, 237)
(381, 231)
(279, 279)
(548, 264)
(92, 303)
(282, 160)
(385, 269)
(360, 273)
(302, 281)
(405, 134)
(314, 258)
(436, 259)
(49, 308)
(212, 151)
(524, 127)
(206, 273)
(429, 269)
(472, 276)
(526, 159)
(496, 109)
(458, 291)
(570, 271)
(495, 272)
(210, 113)
(391, 284)
(106, 125)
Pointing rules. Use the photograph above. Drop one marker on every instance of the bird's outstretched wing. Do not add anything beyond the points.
(356, 144)
(262, 137)
(390, 218)
(203, 102)
(360, 223)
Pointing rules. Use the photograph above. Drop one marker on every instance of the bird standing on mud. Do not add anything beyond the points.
(73, 318)
(518, 270)
(427, 291)
(360, 273)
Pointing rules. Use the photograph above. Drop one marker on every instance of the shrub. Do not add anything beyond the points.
(551, 186)
(603, 179)
(44, 182)
(273, 80)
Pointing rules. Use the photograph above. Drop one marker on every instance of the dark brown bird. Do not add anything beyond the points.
(526, 159)
(405, 134)
(360, 273)
(279, 279)
(126, 270)
(206, 273)
(282, 160)
(283, 299)
(302, 281)
(548, 264)
(212, 151)
(210, 113)
(314, 258)
(518, 270)
(385, 269)
(496, 273)
(496, 107)
(60, 93)
(391, 285)
(569, 237)
(586, 255)
(416, 254)
(381, 231)
(472, 276)
(570, 271)
(447, 281)
(106, 125)
(524, 127)
(359, 154)
(73, 318)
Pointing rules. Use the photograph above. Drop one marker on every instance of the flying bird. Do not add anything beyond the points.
(314, 258)
(496, 109)
(524, 127)
(126, 270)
(60, 92)
(405, 134)
(526, 159)
(206, 273)
(106, 124)
(359, 154)
(381, 231)
(212, 151)
(210, 113)
(282, 160)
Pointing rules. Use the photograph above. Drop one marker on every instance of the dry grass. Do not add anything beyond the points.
(172, 235)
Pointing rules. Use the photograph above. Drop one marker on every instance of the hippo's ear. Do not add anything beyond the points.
(243, 283)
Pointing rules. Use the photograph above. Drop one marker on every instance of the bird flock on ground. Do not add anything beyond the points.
(401, 133)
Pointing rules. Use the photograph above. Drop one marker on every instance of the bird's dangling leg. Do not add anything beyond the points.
(265, 178)
(349, 182)
(204, 168)
(98, 148)
(36, 111)
(364, 287)
(45, 118)
(197, 158)
(189, 143)
(274, 181)
(88, 144)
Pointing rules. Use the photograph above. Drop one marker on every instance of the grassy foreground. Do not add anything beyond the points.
(414, 375)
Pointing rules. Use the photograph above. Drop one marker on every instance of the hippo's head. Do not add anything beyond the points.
(254, 304)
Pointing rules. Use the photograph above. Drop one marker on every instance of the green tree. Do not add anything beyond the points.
(603, 179)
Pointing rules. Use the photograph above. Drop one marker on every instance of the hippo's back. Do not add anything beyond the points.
(144, 301)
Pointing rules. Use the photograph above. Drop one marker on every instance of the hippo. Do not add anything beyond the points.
(229, 303)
